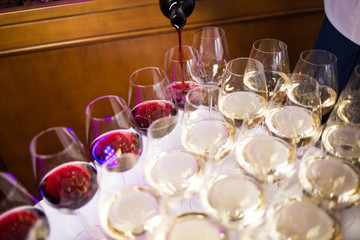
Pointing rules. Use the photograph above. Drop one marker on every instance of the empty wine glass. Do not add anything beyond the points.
(214, 53)
(63, 172)
(245, 83)
(204, 131)
(297, 117)
(183, 69)
(322, 66)
(19, 218)
(148, 98)
(174, 172)
(273, 54)
(111, 133)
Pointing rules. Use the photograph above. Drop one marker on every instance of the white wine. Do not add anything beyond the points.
(130, 212)
(304, 94)
(301, 218)
(177, 173)
(212, 138)
(328, 99)
(342, 140)
(235, 200)
(266, 158)
(336, 183)
(241, 105)
(294, 124)
(195, 226)
(349, 111)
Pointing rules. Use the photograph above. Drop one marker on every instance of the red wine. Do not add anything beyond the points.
(179, 91)
(147, 112)
(109, 146)
(17, 223)
(70, 185)
(177, 11)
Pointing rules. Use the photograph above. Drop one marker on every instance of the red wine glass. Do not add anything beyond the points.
(111, 133)
(19, 218)
(148, 98)
(63, 172)
(182, 68)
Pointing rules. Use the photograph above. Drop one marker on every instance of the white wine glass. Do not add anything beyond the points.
(148, 98)
(273, 54)
(112, 136)
(127, 213)
(341, 136)
(322, 66)
(214, 52)
(271, 162)
(174, 172)
(230, 196)
(183, 70)
(20, 216)
(296, 117)
(245, 83)
(204, 130)
(302, 218)
(329, 180)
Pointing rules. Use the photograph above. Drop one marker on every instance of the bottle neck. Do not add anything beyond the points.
(178, 16)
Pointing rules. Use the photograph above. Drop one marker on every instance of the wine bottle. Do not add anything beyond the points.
(177, 11)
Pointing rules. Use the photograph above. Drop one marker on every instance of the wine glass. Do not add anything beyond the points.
(111, 133)
(331, 181)
(214, 53)
(342, 132)
(302, 218)
(19, 217)
(268, 164)
(128, 213)
(296, 117)
(231, 197)
(204, 131)
(174, 172)
(63, 172)
(322, 66)
(273, 54)
(182, 68)
(148, 98)
(245, 83)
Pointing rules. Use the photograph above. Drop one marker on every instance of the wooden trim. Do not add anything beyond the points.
(96, 21)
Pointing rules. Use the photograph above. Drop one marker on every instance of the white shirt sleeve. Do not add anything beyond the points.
(344, 15)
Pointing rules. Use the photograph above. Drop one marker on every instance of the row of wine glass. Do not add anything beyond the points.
(219, 129)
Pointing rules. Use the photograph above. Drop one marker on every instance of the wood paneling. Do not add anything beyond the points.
(54, 61)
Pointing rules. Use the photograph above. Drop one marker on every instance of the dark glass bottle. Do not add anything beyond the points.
(177, 11)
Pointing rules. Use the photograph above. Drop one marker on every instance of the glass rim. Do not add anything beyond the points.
(161, 71)
(258, 63)
(221, 31)
(87, 111)
(206, 86)
(69, 132)
(332, 57)
(269, 39)
(196, 56)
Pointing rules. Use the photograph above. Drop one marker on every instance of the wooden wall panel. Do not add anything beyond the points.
(49, 75)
